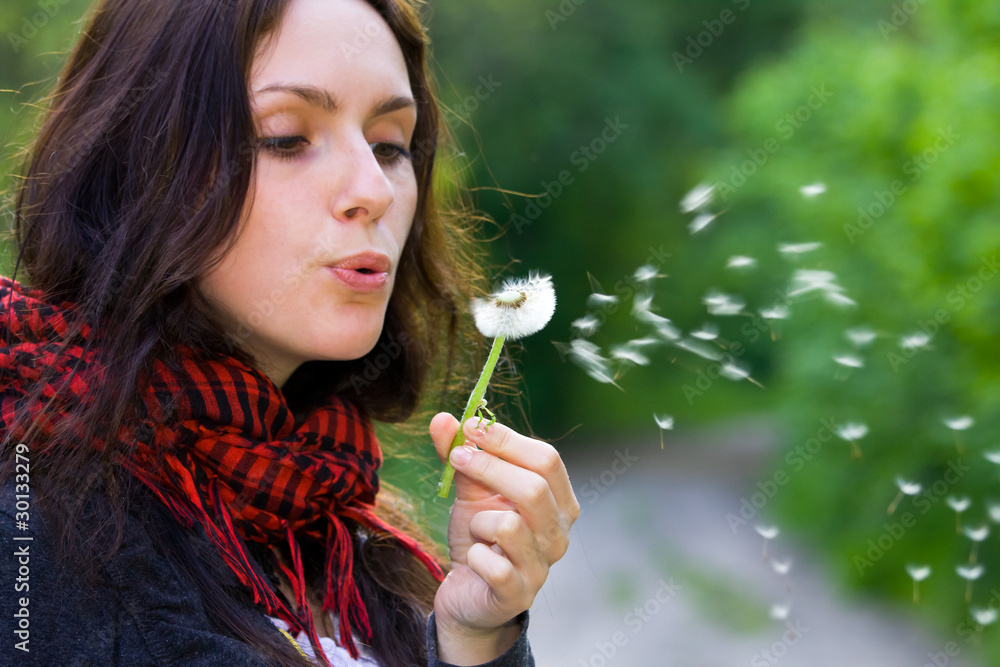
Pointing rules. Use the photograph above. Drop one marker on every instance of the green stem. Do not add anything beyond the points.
(470, 408)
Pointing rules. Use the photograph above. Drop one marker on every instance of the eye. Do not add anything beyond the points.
(389, 153)
(282, 147)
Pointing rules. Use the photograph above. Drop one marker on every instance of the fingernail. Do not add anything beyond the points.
(472, 430)
(461, 455)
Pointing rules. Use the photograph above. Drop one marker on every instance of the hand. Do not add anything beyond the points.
(514, 506)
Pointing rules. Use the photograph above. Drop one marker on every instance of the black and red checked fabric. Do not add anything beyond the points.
(218, 446)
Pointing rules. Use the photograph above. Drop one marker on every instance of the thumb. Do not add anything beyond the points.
(443, 428)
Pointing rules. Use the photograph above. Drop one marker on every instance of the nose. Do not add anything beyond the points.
(363, 192)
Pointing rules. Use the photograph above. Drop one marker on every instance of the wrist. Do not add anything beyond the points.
(463, 646)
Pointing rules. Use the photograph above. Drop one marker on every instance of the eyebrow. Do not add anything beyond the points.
(324, 100)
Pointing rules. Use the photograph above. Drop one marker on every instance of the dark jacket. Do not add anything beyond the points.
(147, 614)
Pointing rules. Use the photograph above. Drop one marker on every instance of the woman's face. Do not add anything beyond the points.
(335, 193)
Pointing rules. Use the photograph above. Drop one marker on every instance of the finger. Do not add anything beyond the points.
(499, 574)
(443, 428)
(526, 489)
(510, 532)
(535, 455)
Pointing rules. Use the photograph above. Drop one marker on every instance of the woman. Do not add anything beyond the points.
(227, 221)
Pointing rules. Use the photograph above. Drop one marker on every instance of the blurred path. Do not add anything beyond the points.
(656, 577)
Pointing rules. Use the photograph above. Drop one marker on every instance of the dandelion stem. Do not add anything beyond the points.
(474, 399)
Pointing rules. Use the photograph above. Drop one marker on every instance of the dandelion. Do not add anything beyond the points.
(813, 190)
(698, 198)
(741, 262)
(970, 574)
(905, 489)
(918, 573)
(959, 504)
(586, 325)
(521, 307)
(977, 535)
(852, 432)
(708, 331)
(860, 336)
(957, 424)
(666, 423)
(849, 360)
(768, 533)
(701, 221)
(793, 249)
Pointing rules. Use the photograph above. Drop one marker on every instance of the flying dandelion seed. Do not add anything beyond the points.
(957, 424)
(776, 313)
(839, 299)
(813, 190)
(666, 330)
(666, 423)
(734, 371)
(768, 533)
(698, 198)
(782, 568)
(918, 573)
(860, 336)
(852, 432)
(587, 356)
(914, 341)
(850, 361)
(905, 489)
(741, 262)
(703, 350)
(780, 612)
(648, 341)
(993, 509)
(597, 300)
(984, 616)
(701, 221)
(993, 457)
(708, 331)
(642, 310)
(645, 273)
(629, 354)
(970, 574)
(977, 535)
(722, 304)
(586, 325)
(813, 280)
(795, 249)
(959, 504)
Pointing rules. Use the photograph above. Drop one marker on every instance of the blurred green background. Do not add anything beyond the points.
(614, 111)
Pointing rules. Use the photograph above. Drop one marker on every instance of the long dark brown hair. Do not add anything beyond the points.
(140, 171)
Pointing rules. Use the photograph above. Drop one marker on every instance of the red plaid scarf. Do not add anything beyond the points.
(233, 460)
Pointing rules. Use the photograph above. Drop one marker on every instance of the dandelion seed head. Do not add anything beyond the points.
(970, 573)
(741, 262)
(908, 488)
(918, 572)
(850, 360)
(698, 198)
(812, 190)
(665, 422)
(861, 336)
(958, 503)
(959, 423)
(852, 431)
(521, 307)
(767, 532)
